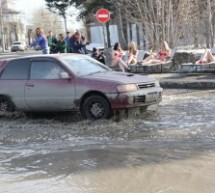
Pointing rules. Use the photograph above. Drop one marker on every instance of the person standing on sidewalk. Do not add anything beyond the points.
(49, 38)
(52, 41)
(41, 40)
(68, 44)
(84, 40)
(61, 45)
(77, 43)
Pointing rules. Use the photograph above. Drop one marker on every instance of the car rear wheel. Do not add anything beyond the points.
(96, 107)
(6, 104)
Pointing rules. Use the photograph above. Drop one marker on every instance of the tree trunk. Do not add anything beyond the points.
(65, 24)
(120, 27)
(210, 26)
(108, 34)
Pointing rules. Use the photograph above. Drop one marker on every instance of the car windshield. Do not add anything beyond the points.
(16, 43)
(84, 65)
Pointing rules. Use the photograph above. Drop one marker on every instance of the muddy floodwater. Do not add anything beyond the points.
(168, 149)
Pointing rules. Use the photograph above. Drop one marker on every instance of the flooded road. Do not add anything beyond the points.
(168, 149)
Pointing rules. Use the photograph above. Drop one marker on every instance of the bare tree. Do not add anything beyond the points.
(180, 22)
(47, 20)
(170, 19)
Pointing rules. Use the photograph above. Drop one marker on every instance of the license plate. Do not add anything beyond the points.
(152, 97)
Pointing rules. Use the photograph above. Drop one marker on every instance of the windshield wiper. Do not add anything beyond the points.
(95, 72)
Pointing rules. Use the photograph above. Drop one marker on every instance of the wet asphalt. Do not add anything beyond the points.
(63, 153)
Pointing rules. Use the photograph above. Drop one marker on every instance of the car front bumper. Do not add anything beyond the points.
(17, 49)
(142, 97)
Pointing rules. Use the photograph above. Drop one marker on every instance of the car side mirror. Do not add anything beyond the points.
(64, 75)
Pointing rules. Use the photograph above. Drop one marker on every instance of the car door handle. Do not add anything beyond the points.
(30, 85)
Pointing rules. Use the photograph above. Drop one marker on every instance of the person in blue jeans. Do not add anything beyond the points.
(41, 40)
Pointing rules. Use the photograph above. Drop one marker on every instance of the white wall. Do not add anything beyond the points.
(96, 33)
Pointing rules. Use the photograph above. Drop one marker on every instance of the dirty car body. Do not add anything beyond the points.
(67, 82)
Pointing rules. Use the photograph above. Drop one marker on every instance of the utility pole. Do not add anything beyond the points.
(2, 27)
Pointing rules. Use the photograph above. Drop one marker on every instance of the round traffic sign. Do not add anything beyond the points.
(102, 15)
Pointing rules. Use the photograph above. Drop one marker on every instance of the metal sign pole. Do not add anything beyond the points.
(104, 35)
(102, 16)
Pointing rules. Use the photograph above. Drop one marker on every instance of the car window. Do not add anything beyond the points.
(45, 70)
(83, 65)
(16, 70)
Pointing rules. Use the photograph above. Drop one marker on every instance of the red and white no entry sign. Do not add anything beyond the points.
(103, 15)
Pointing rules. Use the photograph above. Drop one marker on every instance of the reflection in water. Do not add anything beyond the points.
(170, 150)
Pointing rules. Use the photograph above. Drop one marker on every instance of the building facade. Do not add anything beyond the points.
(13, 28)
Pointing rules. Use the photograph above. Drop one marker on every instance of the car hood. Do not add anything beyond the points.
(120, 77)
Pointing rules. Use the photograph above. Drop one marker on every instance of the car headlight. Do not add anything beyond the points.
(127, 88)
(157, 84)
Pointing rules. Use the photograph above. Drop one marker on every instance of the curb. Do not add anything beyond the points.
(188, 85)
(19, 52)
(5, 53)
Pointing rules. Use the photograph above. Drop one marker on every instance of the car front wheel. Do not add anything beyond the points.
(96, 107)
(6, 105)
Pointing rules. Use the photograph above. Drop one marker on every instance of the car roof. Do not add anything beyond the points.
(42, 56)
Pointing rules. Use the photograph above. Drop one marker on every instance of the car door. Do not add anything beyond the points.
(45, 90)
(13, 79)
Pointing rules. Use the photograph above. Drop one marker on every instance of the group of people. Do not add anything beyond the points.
(51, 44)
(152, 58)
(160, 56)
(76, 44)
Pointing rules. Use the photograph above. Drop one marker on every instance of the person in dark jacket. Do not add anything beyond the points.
(67, 41)
(61, 45)
(49, 38)
(84, 47)
(77, 43)
(98, 56)
(41, 40)
(52, 41)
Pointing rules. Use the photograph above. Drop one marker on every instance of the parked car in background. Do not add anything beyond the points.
(37, 48)
(18, 46)
(72, 82)
(90, 47)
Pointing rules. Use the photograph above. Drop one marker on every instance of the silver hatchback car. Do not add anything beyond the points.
(71, 82)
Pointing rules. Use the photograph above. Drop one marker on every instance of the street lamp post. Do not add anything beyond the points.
(2, 27)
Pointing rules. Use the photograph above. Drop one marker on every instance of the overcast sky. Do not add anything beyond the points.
(29, 6)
